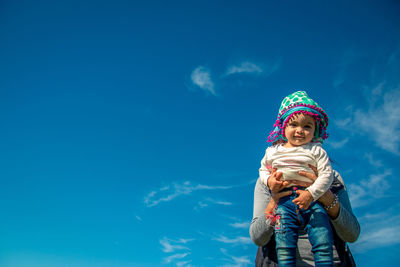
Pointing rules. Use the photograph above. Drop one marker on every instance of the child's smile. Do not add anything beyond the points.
(299, 130)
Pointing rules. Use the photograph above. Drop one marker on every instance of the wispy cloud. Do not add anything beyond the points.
(174, 246)
(200, 205)
(174, 257)
(170, 245)
(338, 144)
(368, 190)
(223, 203)
(244, 67)
(235, 261)
(240, 225)
(379, 230)
(184, 263)
(372, 160)
(170, 192)
(253, 68)
(201, 77)
(207, 201)
(380, 119)
(239, 240)
(342, 123)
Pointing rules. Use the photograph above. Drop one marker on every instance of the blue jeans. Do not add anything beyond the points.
(314, 220)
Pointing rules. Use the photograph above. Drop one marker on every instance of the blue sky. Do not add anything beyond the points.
(132, 133)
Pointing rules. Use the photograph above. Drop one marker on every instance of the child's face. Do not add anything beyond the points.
(299, 130)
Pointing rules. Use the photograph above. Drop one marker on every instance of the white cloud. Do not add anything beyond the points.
(342, 123)
(372, 161)
(379, 230)
(200, 205)
(183, 263)
(241, 225)
(207, 201)
(368, 190)
(338, 144)
(240, 240)
(382, 119)
(170, 245)
(138, 218)
(235, 261)
(391, 236)
(201, 77)
(250, 67)
(174, 257)
(174, 245)
(224, 203)
(168, 193)
(244, 67)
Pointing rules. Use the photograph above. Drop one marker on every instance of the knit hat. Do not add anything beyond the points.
(299, 102)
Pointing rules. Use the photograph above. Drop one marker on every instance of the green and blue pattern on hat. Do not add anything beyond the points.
(299, 102)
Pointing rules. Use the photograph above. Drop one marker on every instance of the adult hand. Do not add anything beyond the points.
(274, 182)
(309, 175)
(275, 185)
(273, 202)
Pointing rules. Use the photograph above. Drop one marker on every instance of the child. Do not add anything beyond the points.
(299, 132)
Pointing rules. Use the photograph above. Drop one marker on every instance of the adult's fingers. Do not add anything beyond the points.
(284, 194)
(278, 196)
(309, 175)
(278, 176)
(314, 169)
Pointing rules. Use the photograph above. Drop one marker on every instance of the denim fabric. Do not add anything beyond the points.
(314, 220)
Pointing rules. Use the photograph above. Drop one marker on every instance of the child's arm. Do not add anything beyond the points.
(325, 177)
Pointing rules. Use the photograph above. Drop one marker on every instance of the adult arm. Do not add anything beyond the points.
(341, 215)
(346, 223)
(261, 229)
(265, 200)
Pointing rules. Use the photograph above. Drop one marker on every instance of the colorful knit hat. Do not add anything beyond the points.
(299, 102)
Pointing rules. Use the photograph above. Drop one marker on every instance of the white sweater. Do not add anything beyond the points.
(290, 160)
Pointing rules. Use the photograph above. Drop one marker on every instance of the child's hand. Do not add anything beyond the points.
(303, 200)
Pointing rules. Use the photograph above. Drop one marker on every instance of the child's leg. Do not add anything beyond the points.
(286, 232)
(320, 235)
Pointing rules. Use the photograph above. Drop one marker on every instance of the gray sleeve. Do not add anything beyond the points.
(260, 230)
(346, 224)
